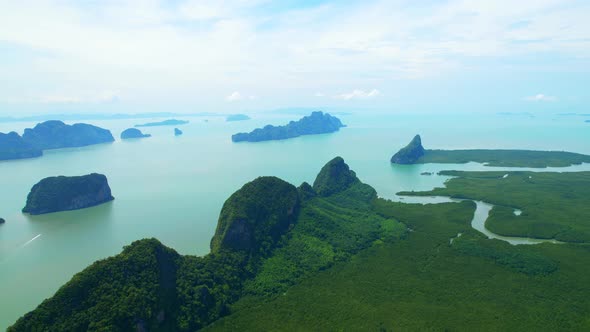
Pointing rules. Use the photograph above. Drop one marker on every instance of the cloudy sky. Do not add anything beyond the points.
(207, 56)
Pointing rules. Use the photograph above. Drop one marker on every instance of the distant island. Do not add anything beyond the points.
(237, 117)
(133, 133)
(12, 146)
(414, 153)
(63, 193)
(55, 134)
(177, 132)
(316, 123)
(171, 122)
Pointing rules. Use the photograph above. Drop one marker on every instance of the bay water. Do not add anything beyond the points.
(173, 188)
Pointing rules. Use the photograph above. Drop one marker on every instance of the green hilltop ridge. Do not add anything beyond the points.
(268, 237)
(12, 146)
(410, 153)
(334, 177)
(414, 153)
(255, 217)
(315, 123)
(133, 133)
(55, 134)
(63, 193)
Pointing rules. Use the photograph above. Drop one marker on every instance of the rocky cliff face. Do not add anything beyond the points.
(62, 193)
(409, 154)
(12, 146)
(254, 218)
(56, 134)
(133, 133)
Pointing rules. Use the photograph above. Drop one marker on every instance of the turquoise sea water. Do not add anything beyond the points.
(173, 188)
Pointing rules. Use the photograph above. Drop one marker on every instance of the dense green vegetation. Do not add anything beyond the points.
(505, 158)
(424, 282)
(12, 146)
(334, 177)
(336, 257)
(270, 235)
(255, 217)
(63, 193)
(316, 123)
(410, 153)
(171, 122)
(553, 205)
(56, 134)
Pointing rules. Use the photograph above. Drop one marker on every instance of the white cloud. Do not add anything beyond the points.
(237, 96)
(102, 97)
(319, 94)
(359, 94)
(162, 50)
(541, 97)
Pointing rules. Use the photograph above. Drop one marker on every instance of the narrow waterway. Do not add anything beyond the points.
(480, 216)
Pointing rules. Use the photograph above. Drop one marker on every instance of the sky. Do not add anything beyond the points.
(190, 56)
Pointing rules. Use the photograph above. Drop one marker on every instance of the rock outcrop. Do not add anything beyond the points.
(63, 193)
(334, 177)
(254, 217)
(409, 154)
(12, 146)
(133, 133)
(56, 134)
(177, 132)
(2, 221)
(316, 123)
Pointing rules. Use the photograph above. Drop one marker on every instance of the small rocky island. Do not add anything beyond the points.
(55, 134)
(177, 132)
(2, 221)
(64, 193)
(171, 122)
(316, 123)
(237, 117)
(409, 154)
(133, 133)
(12, 146)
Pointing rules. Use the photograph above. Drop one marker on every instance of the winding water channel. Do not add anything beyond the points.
(480, 216)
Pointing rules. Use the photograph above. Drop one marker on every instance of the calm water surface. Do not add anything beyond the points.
(173, 188)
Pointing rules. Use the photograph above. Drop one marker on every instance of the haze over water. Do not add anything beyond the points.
(173, 188)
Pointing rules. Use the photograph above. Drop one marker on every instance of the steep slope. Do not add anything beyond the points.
(63, 193)
(410, 153)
